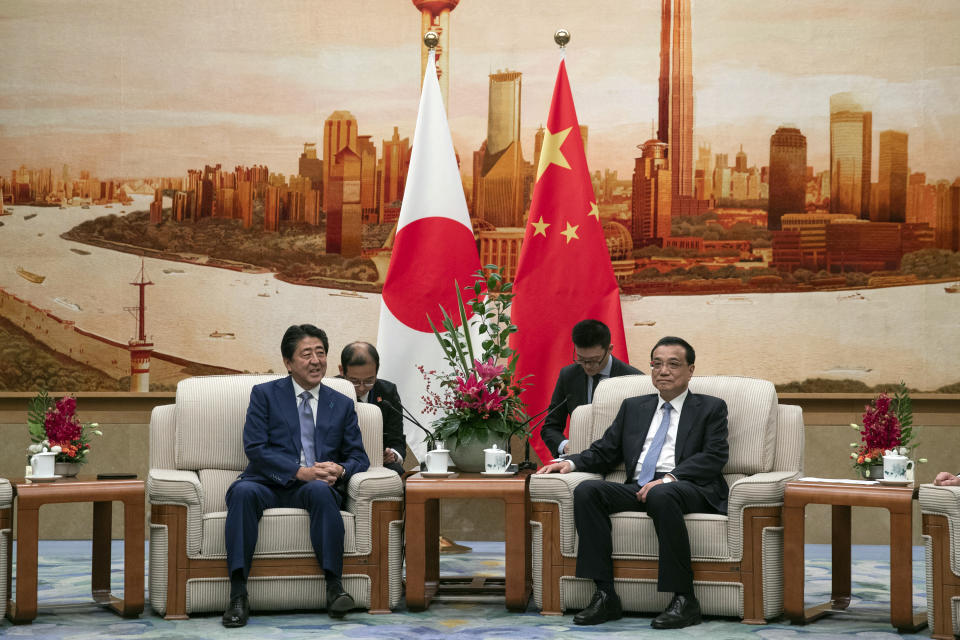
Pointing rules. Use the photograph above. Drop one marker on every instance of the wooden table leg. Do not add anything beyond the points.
(901, 573)
(840, 557)
(24, 608)
(422, 552)
(133, 540)
(793, 558)
(517, 560)
(100, 565)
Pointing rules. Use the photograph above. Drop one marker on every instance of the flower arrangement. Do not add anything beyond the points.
(54, 426)
(479, 399)
(887, 425)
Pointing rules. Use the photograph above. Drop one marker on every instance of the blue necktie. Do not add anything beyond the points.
(307, 427)
(649, 467)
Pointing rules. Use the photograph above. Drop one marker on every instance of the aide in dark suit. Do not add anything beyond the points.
(360, 363)
(301, 455)
(575, 384)
(685, 477)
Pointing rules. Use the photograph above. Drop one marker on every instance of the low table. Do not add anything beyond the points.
(423, 497)
(841, 496)
(30, 496)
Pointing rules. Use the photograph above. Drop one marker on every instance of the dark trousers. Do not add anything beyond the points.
(395, 467)
(246, 500)
(595, 500)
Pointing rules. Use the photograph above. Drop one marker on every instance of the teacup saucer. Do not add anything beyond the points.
(897, 483)
(41, 478)
(498, 474)
(437, 474)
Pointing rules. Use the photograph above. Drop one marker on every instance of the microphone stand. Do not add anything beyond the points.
(527, 463)
(409, 417)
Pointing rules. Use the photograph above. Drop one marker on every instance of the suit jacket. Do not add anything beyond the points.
(571, 392)
(271, 434)
(384, 394)
(701, 450)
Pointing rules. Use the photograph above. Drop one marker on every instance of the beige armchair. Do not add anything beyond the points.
(737, 556)
(6, 548)
(196, 451)
(941, 531)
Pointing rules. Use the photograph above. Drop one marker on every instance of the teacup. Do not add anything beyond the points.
(437, 460)
(496, 460)
(897, 468)
(42, 464)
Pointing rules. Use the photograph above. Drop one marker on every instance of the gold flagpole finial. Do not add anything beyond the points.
(431, 39)
(561, 37)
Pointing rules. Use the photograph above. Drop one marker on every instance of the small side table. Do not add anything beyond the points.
(841, 496)
(30, 496)
(423, 534)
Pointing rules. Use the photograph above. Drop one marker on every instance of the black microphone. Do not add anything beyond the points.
(406, 415)
(527, 463)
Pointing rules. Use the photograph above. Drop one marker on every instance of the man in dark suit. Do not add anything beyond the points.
(360, 363)
(673, 445)
(303, 445)
(592, 362)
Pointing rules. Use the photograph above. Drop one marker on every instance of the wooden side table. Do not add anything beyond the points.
(841, 496)
(423, 532)
(29, 497)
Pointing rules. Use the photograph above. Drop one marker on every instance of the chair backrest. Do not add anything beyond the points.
(751, 416)
(210, 413)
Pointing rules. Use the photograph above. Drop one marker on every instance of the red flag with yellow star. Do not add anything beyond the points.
(564, 274)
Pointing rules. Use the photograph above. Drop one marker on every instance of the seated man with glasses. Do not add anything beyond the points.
(673, 445)
(359, 363)
(592, 362)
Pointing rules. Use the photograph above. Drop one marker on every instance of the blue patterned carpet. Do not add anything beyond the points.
(66, 612)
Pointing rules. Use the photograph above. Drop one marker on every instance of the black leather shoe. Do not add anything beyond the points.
(682, 611)
(237, 613)
(338, 601)
(602, 608)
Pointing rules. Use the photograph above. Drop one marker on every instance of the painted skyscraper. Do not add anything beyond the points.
(435, 16)
(676, 94)
(892, 180)
(651, 199)
(788, 175)
(498, 191)
(850, 152)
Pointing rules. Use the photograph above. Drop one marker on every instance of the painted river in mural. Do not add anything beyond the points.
(235, 319)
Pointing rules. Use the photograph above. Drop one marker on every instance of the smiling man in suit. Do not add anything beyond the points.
(360, 364)
(673, 445)
(592, 362)
(303, 444)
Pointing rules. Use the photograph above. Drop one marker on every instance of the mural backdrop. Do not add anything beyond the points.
(182, 180)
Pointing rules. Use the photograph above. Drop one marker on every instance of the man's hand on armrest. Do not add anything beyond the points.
(560, 466)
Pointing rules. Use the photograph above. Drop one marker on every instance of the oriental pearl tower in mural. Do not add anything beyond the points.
(435, 16)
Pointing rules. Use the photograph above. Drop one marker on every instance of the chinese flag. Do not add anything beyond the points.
(564, 274)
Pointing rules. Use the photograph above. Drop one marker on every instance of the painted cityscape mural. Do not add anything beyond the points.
(181, 181)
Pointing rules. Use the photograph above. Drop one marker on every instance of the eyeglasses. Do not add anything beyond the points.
(671, 365)
(589, 362)
(369, 382)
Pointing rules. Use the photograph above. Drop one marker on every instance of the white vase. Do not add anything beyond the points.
(66, 469)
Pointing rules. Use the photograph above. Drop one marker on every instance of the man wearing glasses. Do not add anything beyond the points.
(673, 445)
(359, 363)
(592, 362)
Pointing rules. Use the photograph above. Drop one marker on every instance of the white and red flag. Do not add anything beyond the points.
(564, 274)
(433, 249)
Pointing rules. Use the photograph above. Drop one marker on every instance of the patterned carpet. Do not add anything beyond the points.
(65, 610)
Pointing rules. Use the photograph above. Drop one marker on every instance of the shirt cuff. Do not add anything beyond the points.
(397, 453)
(561, 447)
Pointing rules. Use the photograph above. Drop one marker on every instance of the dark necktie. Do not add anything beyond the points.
(649, 467)
(307, 427)
(596, 380)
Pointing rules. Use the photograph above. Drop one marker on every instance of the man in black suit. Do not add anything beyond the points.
(592, 362)
(303, 445)
(673, 445)
(360, 363)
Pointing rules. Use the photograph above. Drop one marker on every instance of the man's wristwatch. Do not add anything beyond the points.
(667, 478)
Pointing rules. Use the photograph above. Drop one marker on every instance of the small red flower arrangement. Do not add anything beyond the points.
(54, 426)
(887, 425)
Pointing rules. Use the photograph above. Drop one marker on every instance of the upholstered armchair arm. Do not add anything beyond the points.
(378, 483)
(558, 488)
(758, 490)
(943, 501)
(174, 486)
(6, 494)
